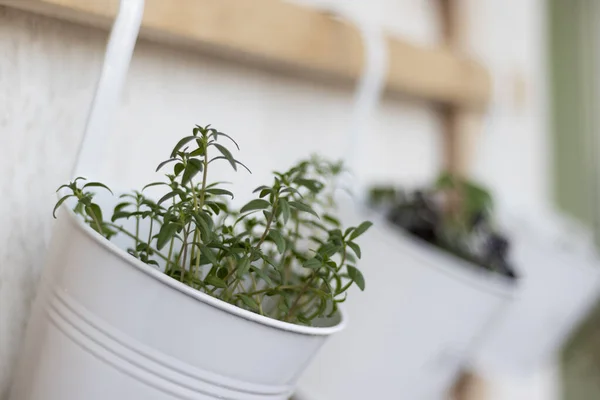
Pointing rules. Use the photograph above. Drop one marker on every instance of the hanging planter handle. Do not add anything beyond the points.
(107, 99)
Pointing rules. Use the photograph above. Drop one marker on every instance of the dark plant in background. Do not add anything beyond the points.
(282, 255)
(455, 215)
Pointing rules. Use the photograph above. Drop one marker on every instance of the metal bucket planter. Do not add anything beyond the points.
(416, 324)
(107, 326)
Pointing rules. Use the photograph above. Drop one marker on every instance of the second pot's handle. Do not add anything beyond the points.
(107, 98)
(368, 93)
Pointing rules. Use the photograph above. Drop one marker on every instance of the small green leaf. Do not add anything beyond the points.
(219, 192)
(329, 249)
(256, 204)
(276, 236)
(225, 158)
(249, 301)
(97, 184)
(216, 134)
(192, 168)
(303, 207)
(285, 209)
(243, 267)
(313, 185)
(205, 224)
(331, 219)
(292, 190)
(362, 228)
(356, 276)
(119, 215)
(198, 152)
(227, 154)
(166, 233)
(142, 247)
(222, 273)
(62, 187)
(95, 212)
(313, 263)
(207, 256)
(162, 164)
(170, 195)
(178, 168)
(355, 248)
(121, 206)
(59, 203)
(215, 281)
(258, 189)
(154, 184)
(351, 258)
(180, 144)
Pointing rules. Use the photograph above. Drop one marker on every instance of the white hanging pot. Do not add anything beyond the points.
(415, 326)
(422, 311)
(107, 326)
(559, 286)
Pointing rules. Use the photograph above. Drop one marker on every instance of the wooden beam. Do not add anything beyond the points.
(462, 126)
(286, 36)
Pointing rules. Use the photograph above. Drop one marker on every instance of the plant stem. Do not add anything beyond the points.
(150, 234)
(170, 254)
(137, 229)
(195, 249)
(131, 235)
(304, 289)
(268, 226)
(202, 197)
(167, 267)
(204, 177)
(95, 219)
(260, 299)
(185, 237)
(288, 267)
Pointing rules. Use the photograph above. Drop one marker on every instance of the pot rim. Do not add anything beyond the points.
(198, 295)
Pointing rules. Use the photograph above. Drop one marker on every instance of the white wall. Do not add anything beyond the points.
(48, 70)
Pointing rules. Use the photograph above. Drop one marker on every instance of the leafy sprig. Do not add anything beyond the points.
(283, 254)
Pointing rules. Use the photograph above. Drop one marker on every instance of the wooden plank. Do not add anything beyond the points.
(290, 37)
(462, 126)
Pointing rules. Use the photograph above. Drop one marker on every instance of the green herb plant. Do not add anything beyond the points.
(455, 215)
(283, 255)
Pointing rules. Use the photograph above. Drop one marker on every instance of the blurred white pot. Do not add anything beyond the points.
(560, 283)
(107, 326)
(412, 329)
